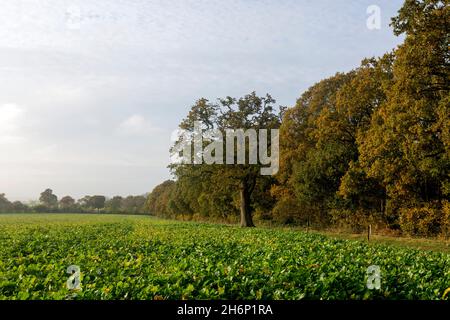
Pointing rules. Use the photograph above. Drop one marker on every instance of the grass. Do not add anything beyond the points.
(140, 257)
(429, 244)
(438, 245)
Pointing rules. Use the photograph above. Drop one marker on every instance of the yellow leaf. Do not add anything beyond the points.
(445, 293)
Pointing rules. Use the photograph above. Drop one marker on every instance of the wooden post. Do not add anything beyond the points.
(369, 232)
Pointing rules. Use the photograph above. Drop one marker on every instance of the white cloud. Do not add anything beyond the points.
(136, 125)
(10, 119)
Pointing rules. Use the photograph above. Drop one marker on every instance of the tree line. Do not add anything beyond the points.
(49, 202)
(369, 146)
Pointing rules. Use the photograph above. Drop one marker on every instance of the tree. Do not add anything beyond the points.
(133, 204)
(48, 199)
(19, 207)
(85, 203)
(372, 144)
(157, 202)
(319, 143)
(313, 157)
(357, 101)
(67, 203)
(407, 145)
(114, 205)
(249, 112)
(97, 202)
(5, 204)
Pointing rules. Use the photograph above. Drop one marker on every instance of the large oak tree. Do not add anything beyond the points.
(241, 179)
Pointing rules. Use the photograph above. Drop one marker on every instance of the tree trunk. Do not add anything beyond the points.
(246, 214)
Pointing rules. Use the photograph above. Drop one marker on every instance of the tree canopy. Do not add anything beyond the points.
(366, 146)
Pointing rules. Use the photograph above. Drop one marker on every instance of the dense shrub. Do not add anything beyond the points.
(445, 222)
(287, 210)
(421, 221)
(357, 220)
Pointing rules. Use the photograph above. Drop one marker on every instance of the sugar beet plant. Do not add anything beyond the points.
(144, 258)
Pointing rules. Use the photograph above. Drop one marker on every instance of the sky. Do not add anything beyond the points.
(91, 90)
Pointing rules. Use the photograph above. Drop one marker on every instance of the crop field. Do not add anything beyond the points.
(139, 257)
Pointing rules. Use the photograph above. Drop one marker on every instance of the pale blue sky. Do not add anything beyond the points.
(91, 90)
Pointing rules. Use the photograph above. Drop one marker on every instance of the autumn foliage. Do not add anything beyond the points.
(368, 146)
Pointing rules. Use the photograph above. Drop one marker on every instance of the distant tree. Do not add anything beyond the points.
(67, 203)
(5, 204)
(19, 207)
(133, 204)
(114, 205)
(84, 203)
(48, 199)
(97, 202)
(139, 204)
(40, 208)
(158, 200)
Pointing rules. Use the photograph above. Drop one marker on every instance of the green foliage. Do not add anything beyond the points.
(131, 257)
(220, 190)
(48, 199)
(114, 204)
(67, 204)
(97, 202)
(133, 204)
(88, 204)
(287, 210)
(317, 178)
(5, 204)
(158, 200)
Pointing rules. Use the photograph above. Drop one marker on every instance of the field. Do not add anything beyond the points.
(139, 257)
